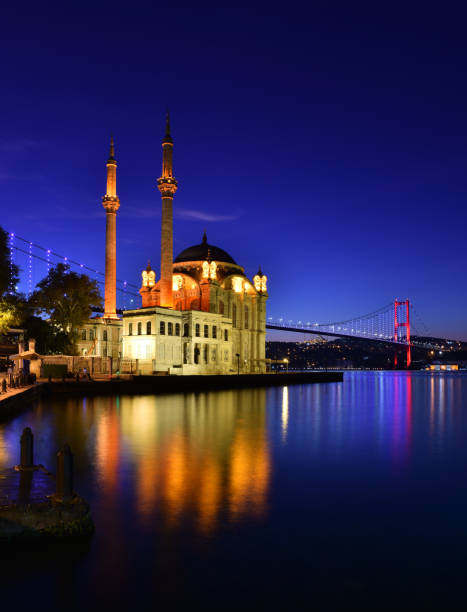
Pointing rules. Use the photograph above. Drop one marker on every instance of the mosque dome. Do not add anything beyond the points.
(203, 251)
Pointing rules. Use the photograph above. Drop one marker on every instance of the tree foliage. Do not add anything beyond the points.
(67, 298)
(8, 272)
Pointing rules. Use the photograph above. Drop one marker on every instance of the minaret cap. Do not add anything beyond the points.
(112, 149)
(167, 137)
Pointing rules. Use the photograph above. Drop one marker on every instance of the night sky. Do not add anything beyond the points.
(328, 145)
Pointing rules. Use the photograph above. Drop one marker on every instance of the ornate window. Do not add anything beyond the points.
(177, 329)
(226, 334)
(162, 328)
(186, 330)
(170, 329)
(206, 331)
(91, 334)
(197, 330)
(148, 328)
(130, 329)
(214, 331)
(140, 328)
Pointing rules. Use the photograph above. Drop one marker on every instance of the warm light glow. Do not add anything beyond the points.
(149, 278)
(285, 411)
(177, 282)
(237, 284)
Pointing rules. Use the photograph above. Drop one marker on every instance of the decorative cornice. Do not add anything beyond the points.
(111, 203)
(167, 186)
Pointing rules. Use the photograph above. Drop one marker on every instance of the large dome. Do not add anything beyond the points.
(203, 251)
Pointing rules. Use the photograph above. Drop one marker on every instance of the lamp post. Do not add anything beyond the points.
(237, 355)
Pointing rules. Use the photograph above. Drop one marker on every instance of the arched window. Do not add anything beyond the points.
(206, 331)
(234, 315)
(130, 329)
(140, 329)
(170, 329)
(186, 330)
(246, 317)
(197, 330)
(83, 335)
(214, 331)
(104, 335)
(162, 328)
(177, 329)
(226, 334)
(148, 328)
(221, 307)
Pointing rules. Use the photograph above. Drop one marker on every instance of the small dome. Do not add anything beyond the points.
(203, 251)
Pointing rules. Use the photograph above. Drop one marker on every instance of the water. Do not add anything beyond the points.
(331, 497)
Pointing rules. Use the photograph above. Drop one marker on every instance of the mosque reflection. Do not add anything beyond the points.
(199, 457)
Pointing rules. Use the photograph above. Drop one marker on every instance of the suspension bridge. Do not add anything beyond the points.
(390, 323)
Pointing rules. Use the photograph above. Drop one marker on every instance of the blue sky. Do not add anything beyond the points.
(326, 145)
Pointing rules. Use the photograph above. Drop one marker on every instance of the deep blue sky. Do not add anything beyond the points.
(328, 145)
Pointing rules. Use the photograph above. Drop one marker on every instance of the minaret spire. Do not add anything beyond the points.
(111, 204)
(167, 186)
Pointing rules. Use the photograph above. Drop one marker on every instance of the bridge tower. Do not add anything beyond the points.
(111, 204)
(402, 320)
(167, 186)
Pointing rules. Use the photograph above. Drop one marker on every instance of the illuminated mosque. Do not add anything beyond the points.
(202, 316)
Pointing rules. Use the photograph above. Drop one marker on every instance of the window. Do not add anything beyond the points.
(221, 308)
(197, 329)
(185, 353)
(234, 315)
(196, 355)
(91, 334)
(140, 329)
(206, 331)
(186, 330)
(246, 317)
(206, 354)
(83, 335)
(226, 334)
(148, 328)
(130, 329)
(214, 331)
(177, 329)
(170, 329)
(104, 335)
(162, 328)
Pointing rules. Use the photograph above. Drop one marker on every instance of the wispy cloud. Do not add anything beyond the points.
(186, 213)
(9, 176)
(17, 145)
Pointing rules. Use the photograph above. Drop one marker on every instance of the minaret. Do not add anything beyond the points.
(167, 186)
(111, 203)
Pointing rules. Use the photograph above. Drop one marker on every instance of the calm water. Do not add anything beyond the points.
(338, 496)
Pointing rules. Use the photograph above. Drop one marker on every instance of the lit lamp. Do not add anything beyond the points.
(286, 361)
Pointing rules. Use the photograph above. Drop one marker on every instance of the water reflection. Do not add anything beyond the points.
(194, 456)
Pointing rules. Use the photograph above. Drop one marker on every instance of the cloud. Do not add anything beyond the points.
(17, 145)
(186, 213)
(8, 176)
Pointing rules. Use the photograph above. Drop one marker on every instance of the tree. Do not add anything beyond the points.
(11, 303)
(49, 339)
(8, 271)
(67, 298)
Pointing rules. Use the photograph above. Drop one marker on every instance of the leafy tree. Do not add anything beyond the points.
(11, 303)
(49, 339)
(67, 298)
(8, 272)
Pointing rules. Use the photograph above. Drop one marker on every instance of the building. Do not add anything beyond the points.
(202, 316)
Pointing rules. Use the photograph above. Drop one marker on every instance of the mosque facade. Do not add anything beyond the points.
(201, 316)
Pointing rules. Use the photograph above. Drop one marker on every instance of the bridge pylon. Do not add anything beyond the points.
(402, 327)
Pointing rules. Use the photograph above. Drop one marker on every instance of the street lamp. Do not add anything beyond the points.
(237, 355)
(286, 361)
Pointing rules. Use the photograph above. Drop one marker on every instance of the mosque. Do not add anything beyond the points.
(202, 316)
